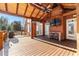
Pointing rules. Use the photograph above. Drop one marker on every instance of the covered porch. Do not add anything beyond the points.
(48, 25)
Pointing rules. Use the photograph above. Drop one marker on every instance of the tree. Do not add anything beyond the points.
(9, 28)
(3, 23)
(17, 26)
(3, 28)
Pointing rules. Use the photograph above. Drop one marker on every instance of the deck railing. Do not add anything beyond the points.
(22, 33)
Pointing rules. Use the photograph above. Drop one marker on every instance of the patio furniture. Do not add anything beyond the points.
(11, 34)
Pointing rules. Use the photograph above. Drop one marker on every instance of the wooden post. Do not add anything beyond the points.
(43, 28)
(33, 32)
(77, 11)
(25, 27)
(63, 26)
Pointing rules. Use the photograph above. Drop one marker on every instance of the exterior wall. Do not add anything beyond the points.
(60, 28)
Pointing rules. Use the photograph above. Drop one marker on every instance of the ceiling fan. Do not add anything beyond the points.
(43, 8)
(50, 8)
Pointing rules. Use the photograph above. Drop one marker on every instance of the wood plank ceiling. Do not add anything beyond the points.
(33, 10)
(22, 9)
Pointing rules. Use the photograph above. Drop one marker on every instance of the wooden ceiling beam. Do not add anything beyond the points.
(41, 9)
(26, 9)
(45, 16)
(17, 7)
(6, 7)
(32, 12)
(45, 19)
(70, 13)
(37, 6)
(37, 13)
(61, 6)
(43, 13)
(16, 14)
(41, 16)
(41, 6)
(48, 6)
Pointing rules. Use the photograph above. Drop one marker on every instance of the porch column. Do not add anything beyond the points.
(33, 32)
(77, 11)
(25, 27)
(43, 28)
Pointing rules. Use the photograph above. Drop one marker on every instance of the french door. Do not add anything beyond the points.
(71, 29)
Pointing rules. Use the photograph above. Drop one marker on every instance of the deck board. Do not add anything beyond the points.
(62, 53)
(53, 54)
(66, 53)
(49, 50)
(30, 47)
(59, 52)
(53, 50)
(70, 53)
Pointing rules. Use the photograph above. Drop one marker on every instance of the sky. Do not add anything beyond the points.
(12, 18)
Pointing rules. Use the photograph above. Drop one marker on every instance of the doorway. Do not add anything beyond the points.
(39, 28)
(71, 29)
(47, 25)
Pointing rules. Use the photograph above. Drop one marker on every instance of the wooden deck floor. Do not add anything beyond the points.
(67, 43)
(30, 47)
